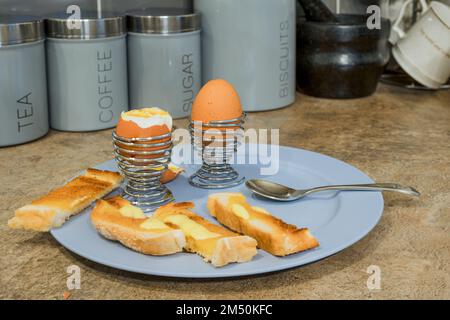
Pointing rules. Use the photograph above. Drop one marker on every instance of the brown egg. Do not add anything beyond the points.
(217, 100)
(144, 123)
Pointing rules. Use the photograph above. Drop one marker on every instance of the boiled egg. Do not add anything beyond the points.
(144, 123)
(216, 101)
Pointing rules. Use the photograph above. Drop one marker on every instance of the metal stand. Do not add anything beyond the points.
(216, 142)
(142, 161)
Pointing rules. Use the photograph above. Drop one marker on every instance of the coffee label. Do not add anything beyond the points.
(104, 86)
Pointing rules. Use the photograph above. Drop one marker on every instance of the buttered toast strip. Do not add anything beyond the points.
(272, 234)
(214, 243)
(116, 219)
(52, 210)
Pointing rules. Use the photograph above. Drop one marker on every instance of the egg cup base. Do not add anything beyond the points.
(149, 201)
(208, 177)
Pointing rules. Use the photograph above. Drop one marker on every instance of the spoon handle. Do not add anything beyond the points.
(368, 187)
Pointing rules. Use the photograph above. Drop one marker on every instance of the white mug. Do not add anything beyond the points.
(397, 32)
(424, 51)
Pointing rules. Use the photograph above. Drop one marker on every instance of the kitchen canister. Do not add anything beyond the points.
(23, 88)
(87, 71)
(251, 44)
(164, 50)
(351, 60)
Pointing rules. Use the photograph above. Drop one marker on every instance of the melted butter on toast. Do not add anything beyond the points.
(131, 211)
(239, 207)
(153, 224)
(190, 227)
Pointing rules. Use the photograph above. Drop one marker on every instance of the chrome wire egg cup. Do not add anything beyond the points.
(142, 161)
(216, 142)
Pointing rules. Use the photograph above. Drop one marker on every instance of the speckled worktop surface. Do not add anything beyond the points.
(395, 135)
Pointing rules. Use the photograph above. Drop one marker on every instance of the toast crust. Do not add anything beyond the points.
(111, 224)
(228, 247)
(273, 234)
(53, 209)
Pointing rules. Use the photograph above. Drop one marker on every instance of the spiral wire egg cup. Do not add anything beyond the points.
(216, 142)
(142, 161)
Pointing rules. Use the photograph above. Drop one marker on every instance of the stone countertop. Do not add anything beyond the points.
(395, 135)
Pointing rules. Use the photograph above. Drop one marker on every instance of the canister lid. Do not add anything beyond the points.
(91, 25)
(16, 29)
(163, 21)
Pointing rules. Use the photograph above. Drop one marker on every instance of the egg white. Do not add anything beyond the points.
(144, 123)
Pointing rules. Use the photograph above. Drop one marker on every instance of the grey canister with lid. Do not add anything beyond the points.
(87, 71)
(164, 57)
(251, 44)
(23, 87)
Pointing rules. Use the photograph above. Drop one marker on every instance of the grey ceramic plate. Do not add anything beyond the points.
(338, 220)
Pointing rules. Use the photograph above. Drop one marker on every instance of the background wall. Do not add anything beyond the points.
(390, 8)
(42, 7)
(351, 6)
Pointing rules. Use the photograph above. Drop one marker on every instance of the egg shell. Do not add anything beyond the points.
(129, 129)
(216, 101)
(144, 123)
(171, 174)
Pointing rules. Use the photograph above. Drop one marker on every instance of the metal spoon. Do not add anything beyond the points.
(278, 192)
